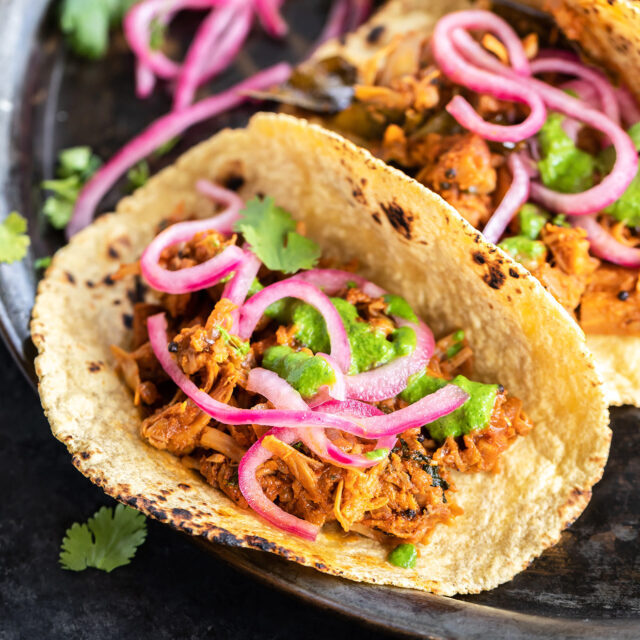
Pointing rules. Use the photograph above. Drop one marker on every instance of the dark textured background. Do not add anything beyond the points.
(171, 589)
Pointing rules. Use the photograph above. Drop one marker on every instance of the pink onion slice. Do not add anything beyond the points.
(255, 496)
(159, 132)
(145, 80)
(252, 311)
(333, 280)
(515, 197)
(210, 30)
(157, 326)
(193, 278)
(462, 72)
(237, 288)
(603, 245)
(596, 79)
(218, 41)
(283, 396)
(137, 31)
(625, 167)
(208, 273)
(269, 13)
(388, 380)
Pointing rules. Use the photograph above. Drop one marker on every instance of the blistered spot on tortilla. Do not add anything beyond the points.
(359, 196)
(183, 514)
(108, 280)
(479, 257)
(376, 217)
(127, 320)
(113, 252)
(399, 219)
(513, 273)
(184, 486)
(495, 278)
(117, 302)
(70, 277)
(374, 35)
(136, 294)
(94, 367)
(90, 284)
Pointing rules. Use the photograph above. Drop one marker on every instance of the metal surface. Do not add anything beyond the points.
(588, 586)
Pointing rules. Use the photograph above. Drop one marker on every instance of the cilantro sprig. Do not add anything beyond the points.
(75, 166)
(108, 540)
(271, 233)
(14, 240)
(86, 24)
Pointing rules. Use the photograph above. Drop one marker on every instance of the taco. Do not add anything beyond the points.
(498, 113)
(277, 387)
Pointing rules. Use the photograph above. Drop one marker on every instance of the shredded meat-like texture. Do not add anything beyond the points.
(402, 498)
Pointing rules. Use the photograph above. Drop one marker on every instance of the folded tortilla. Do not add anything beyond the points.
(607, 33)
(409, 241)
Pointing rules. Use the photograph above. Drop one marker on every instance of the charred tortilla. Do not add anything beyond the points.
(411, 242)
(607, 33)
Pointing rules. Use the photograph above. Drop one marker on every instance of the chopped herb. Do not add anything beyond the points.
(86, 24)
(298, 446)
(75, 166)
(42, 263)
(271, 233)
(398, 306)
(106, 541)
(377, 454)
(236, 343)
(14, 240)
(138, 175)
(458, 336)
(351, 284)
(166, 147)
(404, 556)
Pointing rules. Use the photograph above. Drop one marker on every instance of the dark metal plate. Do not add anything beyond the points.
(588, 586)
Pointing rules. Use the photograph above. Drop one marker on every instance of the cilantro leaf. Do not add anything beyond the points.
(106, 541)
(86, 24)
(13, 238)
(75, 166)
(271, 233)
(166, 147)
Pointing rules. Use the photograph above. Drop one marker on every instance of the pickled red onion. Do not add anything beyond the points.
(211, 30)
(513, 199)
(252, 311)
(469, 75)
(269, 13)
(161, 131)
(207, 273)
(388, 380)
(625, 167)
(606, 94)
(237, 288)
(137, 30)
(603, 245)
(255, 496)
